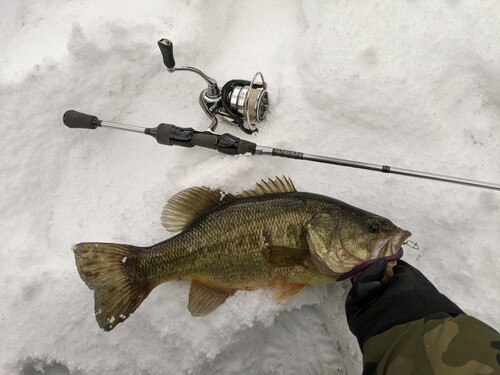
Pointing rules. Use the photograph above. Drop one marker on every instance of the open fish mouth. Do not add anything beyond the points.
(391, 250)
(391, 246)
(363, 266)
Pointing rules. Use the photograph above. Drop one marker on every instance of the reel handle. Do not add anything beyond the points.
(167, 51)
(171, 135)
(73, 119)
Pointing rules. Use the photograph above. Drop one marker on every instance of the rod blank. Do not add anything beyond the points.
(120, 126)
(261, 150)
(444, 178)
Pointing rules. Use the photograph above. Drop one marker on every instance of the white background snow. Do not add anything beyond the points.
(413, 84)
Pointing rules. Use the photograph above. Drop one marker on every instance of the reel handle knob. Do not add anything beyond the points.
(74, 119)
(167, 50)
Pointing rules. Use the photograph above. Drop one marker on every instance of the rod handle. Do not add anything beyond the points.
(171, 135)
(167, 50)
(74, 119)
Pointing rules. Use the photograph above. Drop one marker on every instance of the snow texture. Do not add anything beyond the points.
(412, 84)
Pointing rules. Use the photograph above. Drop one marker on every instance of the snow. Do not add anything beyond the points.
(412, 84)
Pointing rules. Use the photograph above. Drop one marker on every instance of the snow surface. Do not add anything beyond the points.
(413, 84)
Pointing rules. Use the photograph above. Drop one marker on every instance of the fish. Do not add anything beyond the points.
(271, 236)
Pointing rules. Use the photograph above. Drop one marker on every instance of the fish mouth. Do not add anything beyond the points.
(390, 246)
(363, 266)
(390, 250)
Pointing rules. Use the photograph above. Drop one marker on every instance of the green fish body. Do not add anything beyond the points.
(269, 237)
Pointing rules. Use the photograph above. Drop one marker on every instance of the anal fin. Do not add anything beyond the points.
(204, 299)
(285, 291)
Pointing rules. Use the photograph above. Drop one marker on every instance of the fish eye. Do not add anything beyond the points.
(374, 227)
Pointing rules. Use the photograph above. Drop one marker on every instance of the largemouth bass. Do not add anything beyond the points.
(269, 237)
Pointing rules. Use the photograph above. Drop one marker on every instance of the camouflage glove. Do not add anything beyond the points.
(373, 307)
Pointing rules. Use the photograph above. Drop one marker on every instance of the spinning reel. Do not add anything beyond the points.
(241, 103)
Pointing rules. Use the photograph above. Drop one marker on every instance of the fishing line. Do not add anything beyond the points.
(242, 103)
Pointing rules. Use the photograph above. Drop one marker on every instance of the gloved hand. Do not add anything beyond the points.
(373, 307)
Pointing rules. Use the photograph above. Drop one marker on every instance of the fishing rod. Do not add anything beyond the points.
(171, 135)
(241, 103)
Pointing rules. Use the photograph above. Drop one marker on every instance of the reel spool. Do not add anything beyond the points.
(240, 102)
(245, 102)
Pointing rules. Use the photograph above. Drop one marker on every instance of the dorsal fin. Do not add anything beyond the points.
(187, 205)
(279, 185)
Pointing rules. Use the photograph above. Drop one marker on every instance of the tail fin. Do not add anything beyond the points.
(109, 270)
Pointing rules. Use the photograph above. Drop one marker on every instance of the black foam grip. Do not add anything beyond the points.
(74, 119)
(163, 134)
(206, 140)
(246, 146)
(167, 50)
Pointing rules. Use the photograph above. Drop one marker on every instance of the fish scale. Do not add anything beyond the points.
(272, 236)
(197, 252)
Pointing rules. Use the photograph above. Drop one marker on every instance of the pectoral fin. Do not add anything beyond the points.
(319, 233)
(204, 299)
(280, 256)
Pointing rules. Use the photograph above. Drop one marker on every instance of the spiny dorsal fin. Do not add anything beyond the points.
(279, 185)
(203, 299)
(187, 205)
